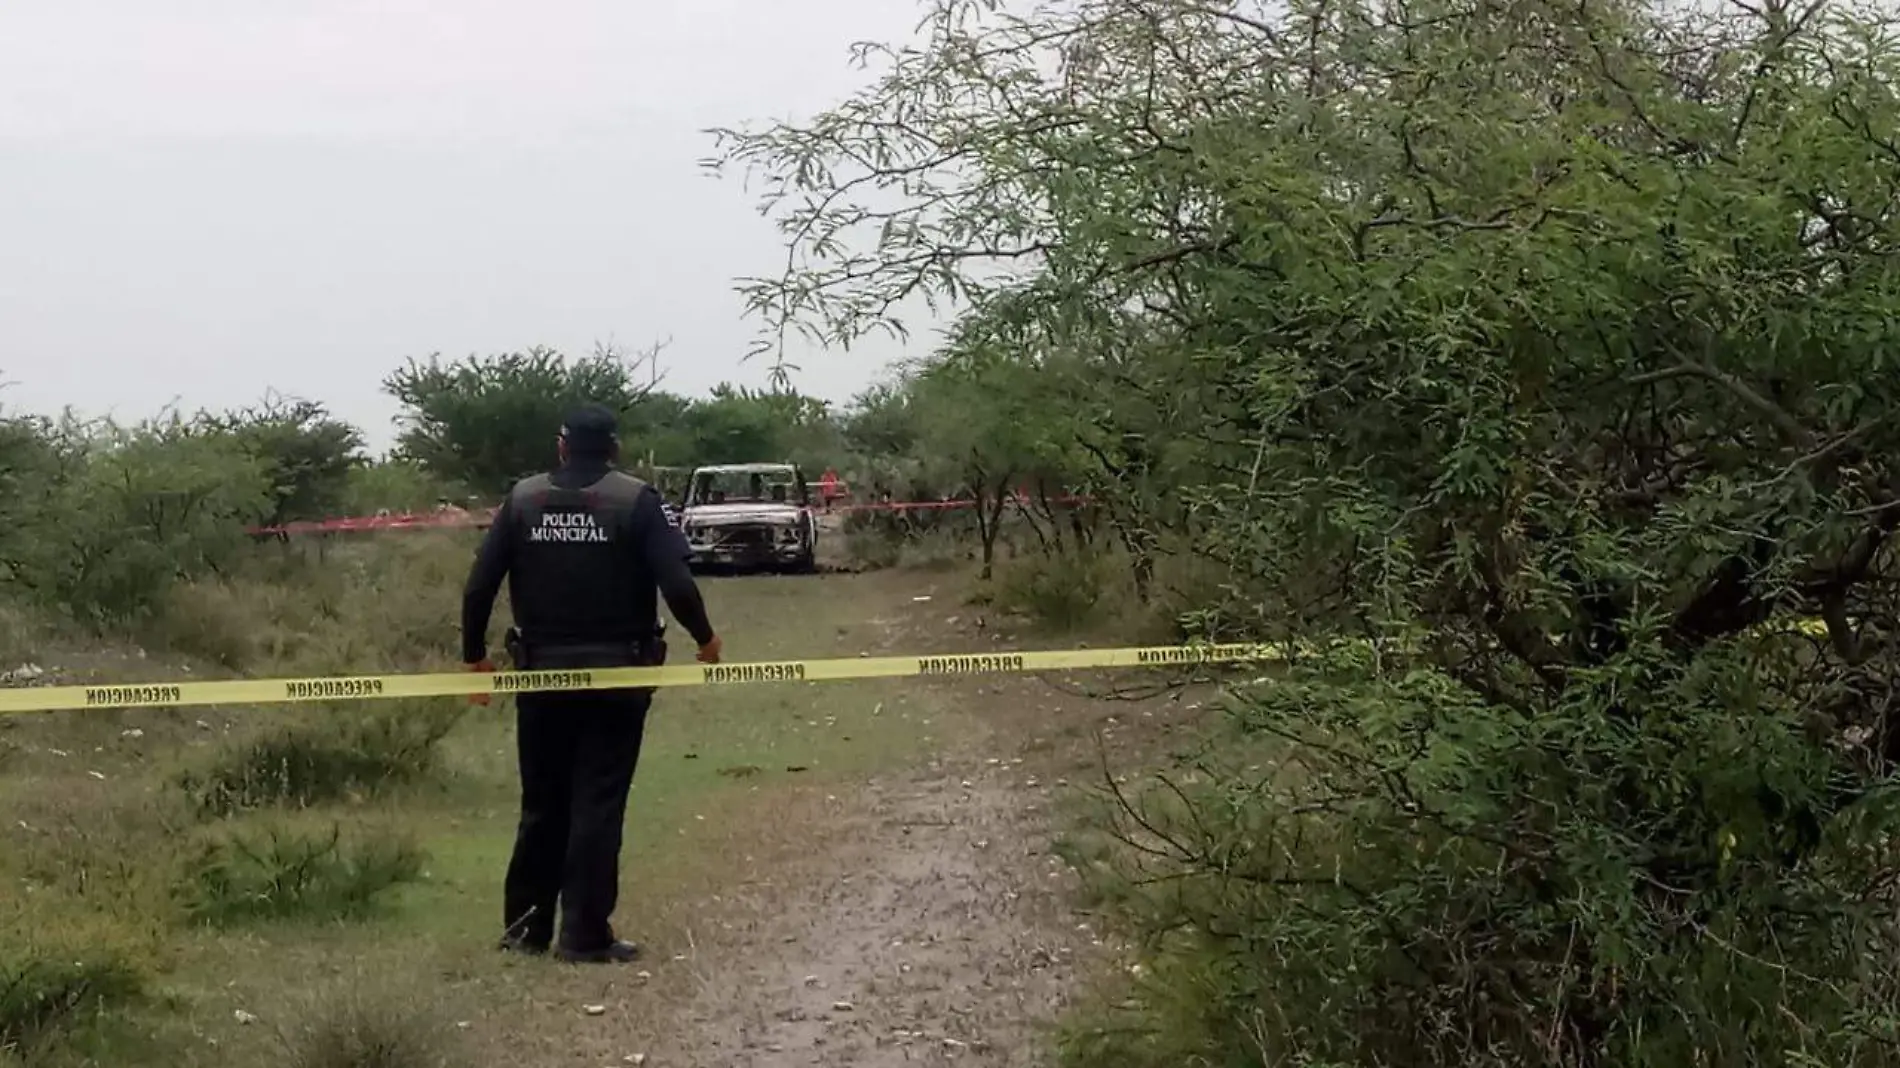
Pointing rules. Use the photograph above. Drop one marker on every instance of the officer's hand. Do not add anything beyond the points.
(480, 667)
(709, 653)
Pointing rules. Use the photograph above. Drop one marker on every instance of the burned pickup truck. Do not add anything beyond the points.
(750, 516)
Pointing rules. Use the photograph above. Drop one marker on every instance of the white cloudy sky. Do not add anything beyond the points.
(299, 194)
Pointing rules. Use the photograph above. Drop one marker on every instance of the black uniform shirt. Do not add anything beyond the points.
(584, 549)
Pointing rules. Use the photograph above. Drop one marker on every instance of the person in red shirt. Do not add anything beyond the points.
(828, 487)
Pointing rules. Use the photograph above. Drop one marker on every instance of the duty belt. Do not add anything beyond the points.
(528, 655)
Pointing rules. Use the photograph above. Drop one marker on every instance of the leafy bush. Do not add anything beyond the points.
(30, 467)
(873, 550)
(396, 486)
(347, 752)
(213, 620)
(134, 510)
(43, 989)
(22, 632)
(1064, 591)
(924, 537)
(1549, 349)
(486, 421)
(241, 876)
(99, 847)
(306, 456)
(56, 971)
(1421, 877)
(736, 425)
(368, 605)
(371, 1028)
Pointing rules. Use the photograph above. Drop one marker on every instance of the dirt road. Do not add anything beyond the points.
(929, 927)
(914, 914)
(848, 874)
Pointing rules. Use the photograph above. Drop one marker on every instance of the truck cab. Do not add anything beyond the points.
(756, 515)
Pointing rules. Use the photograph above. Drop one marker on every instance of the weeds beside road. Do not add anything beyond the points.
(215, 887)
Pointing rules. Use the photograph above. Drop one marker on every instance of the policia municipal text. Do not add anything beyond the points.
(584, 549)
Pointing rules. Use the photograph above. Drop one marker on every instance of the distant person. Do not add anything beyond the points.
(828, 488)
(584, 549)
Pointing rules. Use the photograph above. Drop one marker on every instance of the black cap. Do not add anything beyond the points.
(590, 429)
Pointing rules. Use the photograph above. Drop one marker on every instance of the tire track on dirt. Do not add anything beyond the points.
(913, 916)
(927, 920)
(933, 930)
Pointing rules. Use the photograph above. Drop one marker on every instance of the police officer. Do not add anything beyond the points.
(584, 549)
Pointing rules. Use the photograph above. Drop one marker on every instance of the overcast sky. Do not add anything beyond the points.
(203, 200)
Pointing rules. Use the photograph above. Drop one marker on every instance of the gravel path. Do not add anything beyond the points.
(934, 932)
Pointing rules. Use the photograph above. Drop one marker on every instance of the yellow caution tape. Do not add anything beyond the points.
(461, 684)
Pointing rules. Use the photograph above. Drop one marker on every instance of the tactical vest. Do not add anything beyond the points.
(576, 576)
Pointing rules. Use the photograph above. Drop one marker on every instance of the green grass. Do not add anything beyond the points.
(281, 909)
(327, 755)
(246, 875)
(706, 751)
(355, 1027)
(44, 986)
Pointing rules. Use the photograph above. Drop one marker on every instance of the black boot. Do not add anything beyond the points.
(616, 952)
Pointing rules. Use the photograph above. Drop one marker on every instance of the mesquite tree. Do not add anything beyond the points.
(1547, 346)
(486, 421)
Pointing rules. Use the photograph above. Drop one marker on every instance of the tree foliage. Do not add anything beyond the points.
(1544, 347)
(307, 454)
(123, 512)
(738, 425)
(396, 485)
(983, 414)
(101, 519)
(485, 421)
(488, 420)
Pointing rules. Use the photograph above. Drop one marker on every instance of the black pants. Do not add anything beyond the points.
(577, 754)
